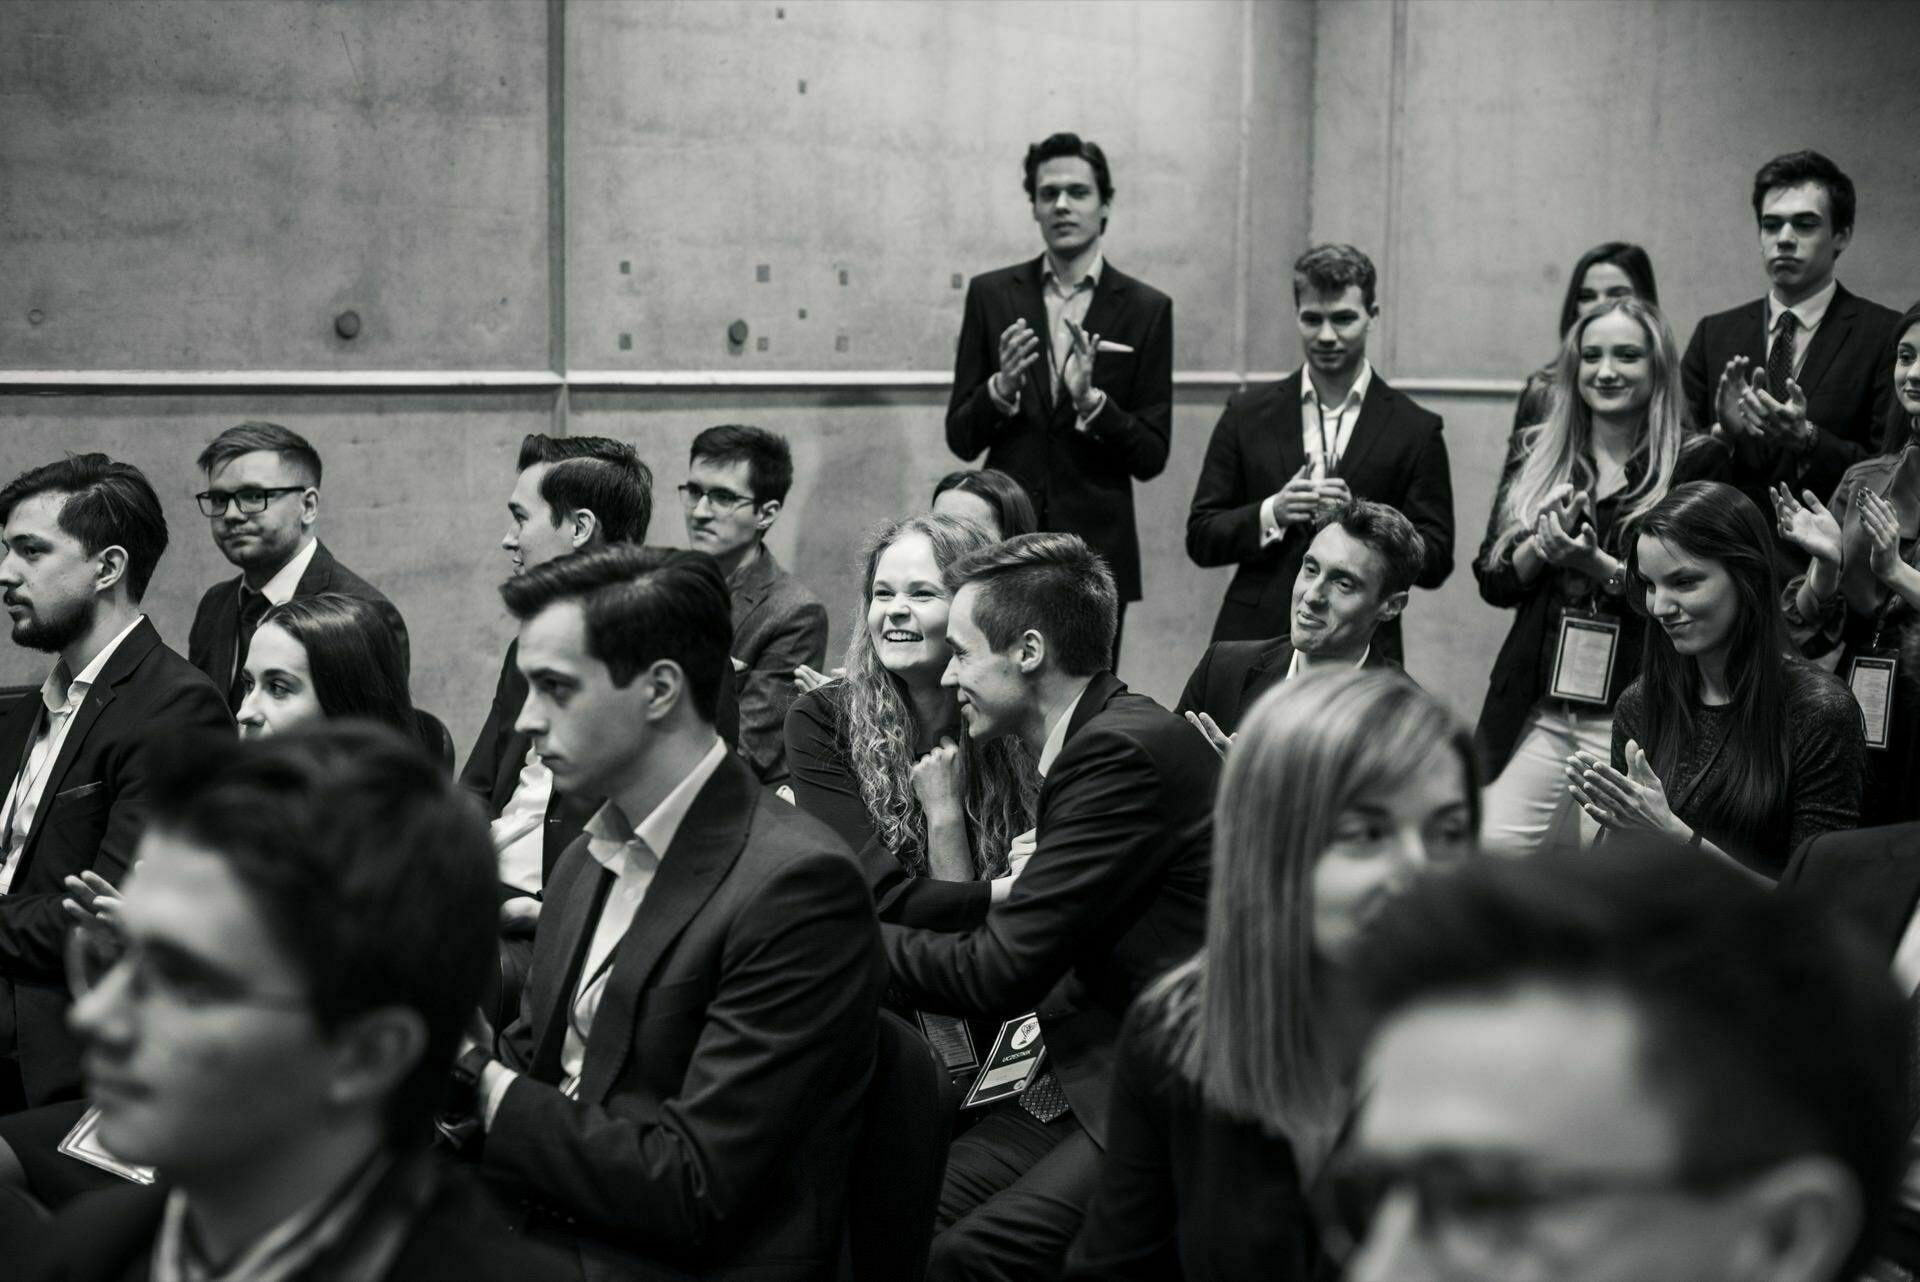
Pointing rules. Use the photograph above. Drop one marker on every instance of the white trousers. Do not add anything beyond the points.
(1528, 809)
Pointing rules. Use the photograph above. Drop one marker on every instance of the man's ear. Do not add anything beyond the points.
(1390, 608)
(1031, 652)
(667, 688)
(113, 567)
(373, 1053)
(1841, 239)
(309, 505)
(765, 515)
(1802, 1219)
(585, 525)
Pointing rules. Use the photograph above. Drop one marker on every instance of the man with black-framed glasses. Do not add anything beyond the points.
(263, 502)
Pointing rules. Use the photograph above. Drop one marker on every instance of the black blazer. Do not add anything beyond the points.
(1080, 482)
(1395, 456)
(1115, 895)
(216, 621)
(1847, 376)
(1232, 675)
(1869, 877)
(89, 817)
(725, 1074)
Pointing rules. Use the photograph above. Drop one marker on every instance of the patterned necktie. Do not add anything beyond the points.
(252, 606)
(1780, 356)
(1044, 1098)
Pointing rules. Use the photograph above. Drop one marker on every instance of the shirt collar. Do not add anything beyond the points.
(1057, 736)
(1091, 280)
(1298, 663)
(609, 837)
(61, 693)
(1355, 394)
(279, 589)
(1810, 311)
(285, 1251)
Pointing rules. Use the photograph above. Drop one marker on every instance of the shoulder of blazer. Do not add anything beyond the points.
(1266, 398)
(1748, 313)
(1020, 275)
(1137, 290)
(1399, 405)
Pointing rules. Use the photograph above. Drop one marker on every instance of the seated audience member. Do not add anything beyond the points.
(737, 481)
(1860, 594)
(1114, 895)
(989, 498)
(1283, 453)
(270, 1016)
(1605, 274)
(263, 501)
(681, 1092)
(82, 537)
(881, 757)
(1354, 577)
(1727, 740)
(1795, 382)
(1613, 443)
(1637, 1067)
(1232, 1080)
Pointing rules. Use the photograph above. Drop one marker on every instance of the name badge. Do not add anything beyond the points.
(83, 1144)
(951, 1040)
(1872, 683)
(1583, 661)
(1012, 1063)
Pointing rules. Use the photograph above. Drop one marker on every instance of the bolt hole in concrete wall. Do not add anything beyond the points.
(197, 186)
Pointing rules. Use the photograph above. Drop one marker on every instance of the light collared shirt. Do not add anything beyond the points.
(519, 837)
(1057, 734)
(62, 697)
(632, 855)
(1810, 312)
(1064, 303)
(284, 1252)
(1325, 431)
(1298, 663)
(278, 590)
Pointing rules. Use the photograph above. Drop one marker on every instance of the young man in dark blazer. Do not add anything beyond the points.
(1113, 895)
(263, 501)
(82, 538)
(1283, 454)
(681, 1092)
(1798, 383)
(1064, 373)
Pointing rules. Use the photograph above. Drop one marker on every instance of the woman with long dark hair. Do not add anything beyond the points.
(1728, 740)
(988, 497)
(1606, 273)
(1233, 1074)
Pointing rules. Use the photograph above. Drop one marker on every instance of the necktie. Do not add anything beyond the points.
(252, 606)
(1780, 356)
(1044, 1099)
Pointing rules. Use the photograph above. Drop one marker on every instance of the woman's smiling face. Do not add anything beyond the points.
(907, 610)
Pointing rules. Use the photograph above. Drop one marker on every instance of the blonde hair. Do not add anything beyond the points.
(1245, 1020)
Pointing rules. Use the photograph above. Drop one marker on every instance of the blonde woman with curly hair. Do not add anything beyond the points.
(881, 756)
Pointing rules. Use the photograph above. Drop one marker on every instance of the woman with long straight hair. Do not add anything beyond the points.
(1613, 442)
(1608, 272)
(1728, 740)
(1233, 1075)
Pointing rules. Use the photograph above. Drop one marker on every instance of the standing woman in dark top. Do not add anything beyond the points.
(1232, 1078)
(1604, 274)
(1614, 441)
(1728, 740)
(1861, 591)
(880, 754)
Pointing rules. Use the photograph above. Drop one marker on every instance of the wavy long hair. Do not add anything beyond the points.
(1246, 1021)
(353, 657)
(1560, 449)
(1900, 427)
(1715, 522)
(1001, 783)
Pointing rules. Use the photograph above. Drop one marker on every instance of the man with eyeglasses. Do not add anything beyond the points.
(737, 483)
(1631, 1067)
(269, 1015)
(263, 501)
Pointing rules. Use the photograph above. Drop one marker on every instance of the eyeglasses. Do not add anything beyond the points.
(250, 502)
(97, 949)
(723, 501)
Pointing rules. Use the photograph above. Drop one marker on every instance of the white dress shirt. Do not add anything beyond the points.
(1325, 432)
(1063, 303)
(1810, 312)
(1298, 664)
(62, 697)
(1057, 735)
(519, 834)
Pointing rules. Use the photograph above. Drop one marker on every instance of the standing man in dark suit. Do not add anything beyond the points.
(82, 538)
(1113, 895)
(682, 1089)
(737, 482)
(1798, 383)
(1353, 579)
(263, 500)
(1064, 373)
(1283, 454)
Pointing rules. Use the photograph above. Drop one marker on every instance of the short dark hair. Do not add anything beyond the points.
(1052, 583)
(1329, 269)
(1388, 533)
(108, 504)
(769, 461)
(253, 437)
(1766, 1030)
(642, 605)
(371, 870)
(1798, 167)
(1006, 496)
(353, 655)
(1628, 257)
(598, 473)
(1068, 146)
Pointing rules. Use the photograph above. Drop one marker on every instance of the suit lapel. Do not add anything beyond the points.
(1108, 309)
(752, 590)
(1376, 413)
(554, 974)
(1036, 402)
(1275, 455)
(1827, 340)
(1754, 326)
(226, 628)
(318, 576)
(1269, 669)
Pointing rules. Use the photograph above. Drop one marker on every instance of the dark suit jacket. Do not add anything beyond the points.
(89, 817)
(1232, 675)
(1847, 376)
(1080, 482)
(1115, 895)
(726, 1069)
(1867, 876)
(217, 620)
(1395, 456)
(777, 626)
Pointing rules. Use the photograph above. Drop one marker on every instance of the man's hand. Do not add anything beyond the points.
(1298, 501)
(519, 915)
(1781, 419)
(89, 896)
(1077, 375)
(1332, 494)
(1019, 348)
(1218, 739)
(1732, 418)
